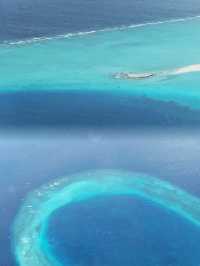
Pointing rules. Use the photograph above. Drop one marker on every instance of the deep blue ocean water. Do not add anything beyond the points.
(29, 159)
(122, 231)
(80, 110)
(21, 19)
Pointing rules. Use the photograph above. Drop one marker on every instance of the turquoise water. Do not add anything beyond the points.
(87, 61)
(30, 243)
(65, 81)
(28, 162)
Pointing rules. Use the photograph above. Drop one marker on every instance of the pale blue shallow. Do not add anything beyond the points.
(30, 242)
(87, 61)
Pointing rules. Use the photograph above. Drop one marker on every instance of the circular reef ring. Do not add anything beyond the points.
(29, 230)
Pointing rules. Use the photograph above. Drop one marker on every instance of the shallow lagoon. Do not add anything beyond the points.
(87, 62)
(122, 230)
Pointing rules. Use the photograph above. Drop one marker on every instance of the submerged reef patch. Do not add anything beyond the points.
(76, 62)
(30, 244)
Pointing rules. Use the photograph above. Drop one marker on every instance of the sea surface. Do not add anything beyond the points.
(78, 68)
(23, 19)
(62, 113)
(122, 231)
(27, 162)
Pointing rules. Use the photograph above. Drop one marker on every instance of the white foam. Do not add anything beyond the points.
(83, 33)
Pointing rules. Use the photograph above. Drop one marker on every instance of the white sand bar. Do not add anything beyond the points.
(186, 69)
(177, 71)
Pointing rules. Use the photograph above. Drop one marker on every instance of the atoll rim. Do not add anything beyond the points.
(30, 242)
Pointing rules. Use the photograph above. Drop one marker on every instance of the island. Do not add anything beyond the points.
(132, 75)
(145, 75)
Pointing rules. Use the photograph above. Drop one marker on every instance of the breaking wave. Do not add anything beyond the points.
(83, 33)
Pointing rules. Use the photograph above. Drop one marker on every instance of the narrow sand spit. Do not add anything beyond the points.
(186, 69)
(177, 71)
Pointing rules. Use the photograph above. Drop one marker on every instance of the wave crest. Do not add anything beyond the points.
(83, 33)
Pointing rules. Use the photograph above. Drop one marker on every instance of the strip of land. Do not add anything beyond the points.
(145, 75)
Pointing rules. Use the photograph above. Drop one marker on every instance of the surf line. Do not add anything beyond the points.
(29, 229)
(90, 32)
